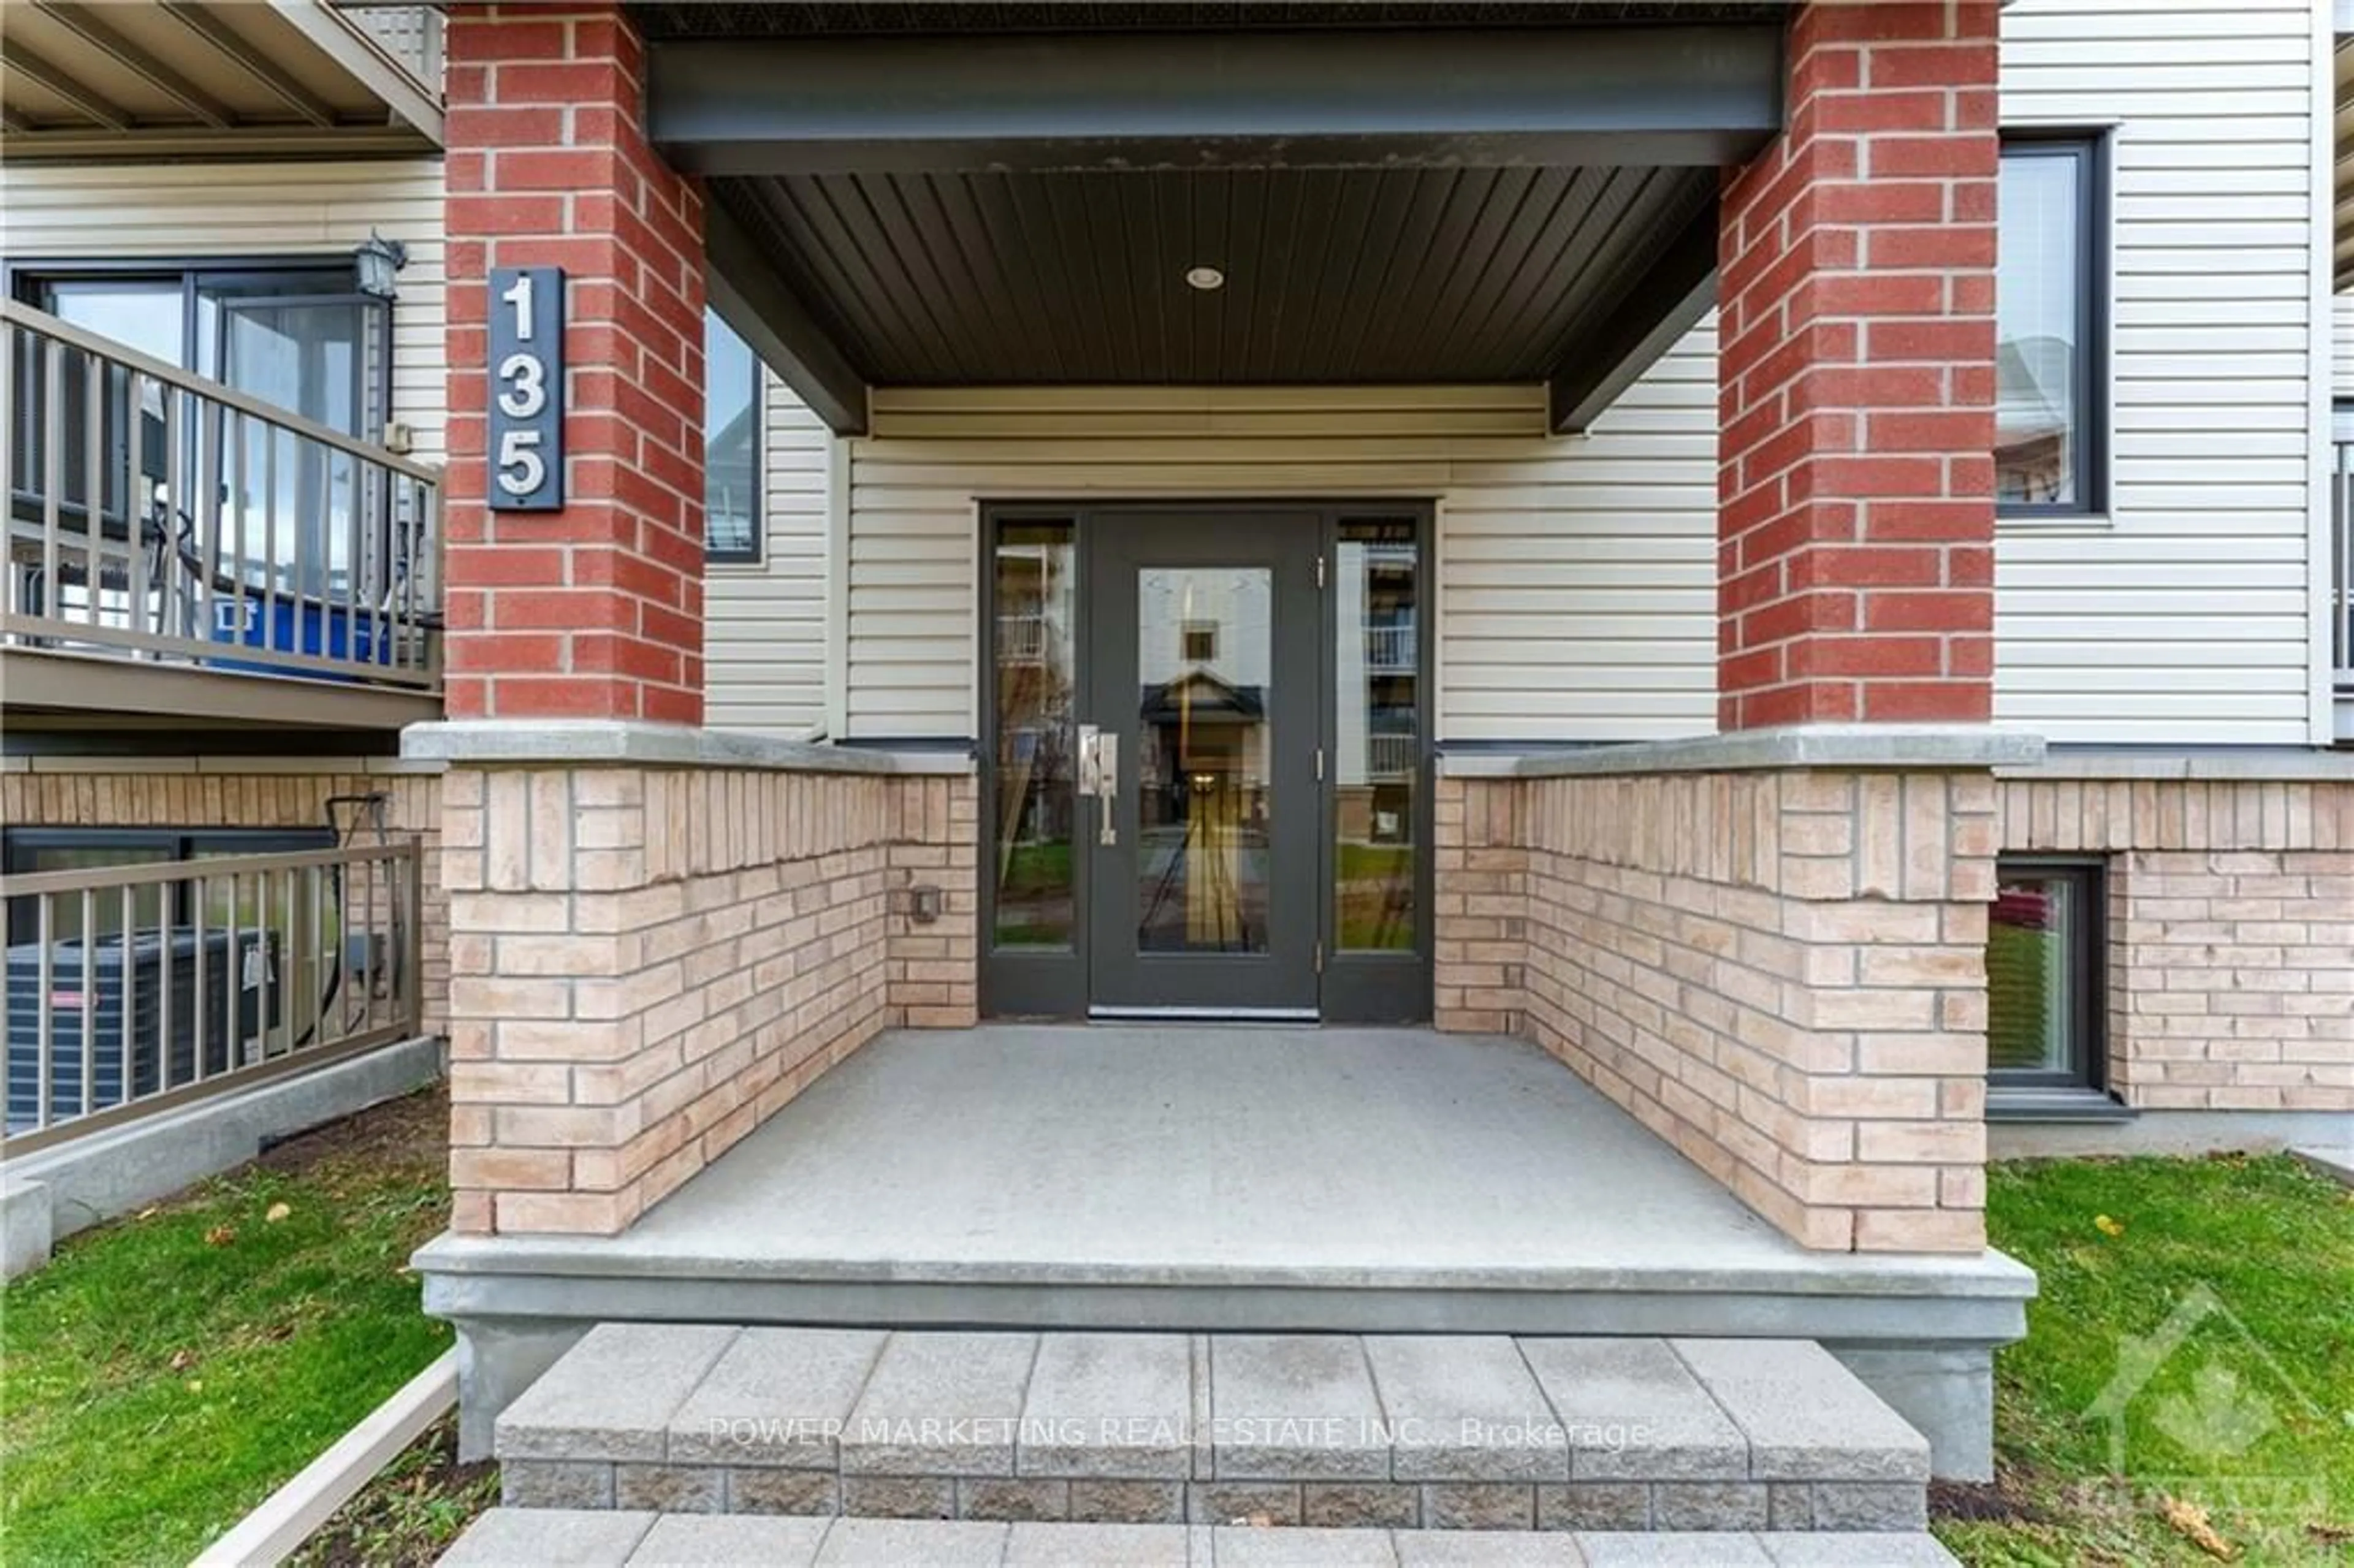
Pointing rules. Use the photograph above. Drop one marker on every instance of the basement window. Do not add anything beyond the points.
(2046, 1021)
(731, 444)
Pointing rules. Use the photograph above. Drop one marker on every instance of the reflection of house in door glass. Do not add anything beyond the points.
(1205, 639)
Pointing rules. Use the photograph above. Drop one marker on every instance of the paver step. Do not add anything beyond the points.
(558, 1538)
(1335, 1430)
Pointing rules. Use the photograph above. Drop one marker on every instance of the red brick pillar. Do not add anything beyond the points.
(595, 610)
(1855, 462)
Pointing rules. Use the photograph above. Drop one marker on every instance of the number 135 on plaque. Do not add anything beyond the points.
(526, 426)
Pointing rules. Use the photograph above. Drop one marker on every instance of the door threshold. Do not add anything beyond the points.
(1203, 1015)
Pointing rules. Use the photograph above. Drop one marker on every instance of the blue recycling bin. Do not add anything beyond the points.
(294, 624)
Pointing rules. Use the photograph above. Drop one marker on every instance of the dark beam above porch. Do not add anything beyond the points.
(1667, 302)
(751, 296)
(1653, 96)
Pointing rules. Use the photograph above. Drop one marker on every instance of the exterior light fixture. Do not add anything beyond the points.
(1206, 279)
(379, 261)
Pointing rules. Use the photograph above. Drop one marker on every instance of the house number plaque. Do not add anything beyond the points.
(526, 427)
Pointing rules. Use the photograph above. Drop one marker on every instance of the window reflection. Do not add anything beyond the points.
(731, 444)
(1377, 728)
(2040, 309)
(1205, 652)
(2032, 940)
(1035, 604)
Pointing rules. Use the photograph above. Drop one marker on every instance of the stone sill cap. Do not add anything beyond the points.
(626, 741)
(2268, 764)
(1877, 747)
(1989, 1274)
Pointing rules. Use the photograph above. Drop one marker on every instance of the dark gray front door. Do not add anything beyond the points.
(1204, 699)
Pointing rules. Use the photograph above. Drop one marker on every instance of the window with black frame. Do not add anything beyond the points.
(731, 444)
(2050, 326)
(2045, 1010)
(299, 335)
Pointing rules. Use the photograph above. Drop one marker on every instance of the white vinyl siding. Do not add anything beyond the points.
(2184, 616)
(764, 621)
(184, 211)
(1576, 574)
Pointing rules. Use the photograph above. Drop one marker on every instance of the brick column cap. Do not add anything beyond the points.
(1877, 747)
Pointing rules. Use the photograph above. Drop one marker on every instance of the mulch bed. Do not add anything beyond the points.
(409, 1514)
(415, 1127)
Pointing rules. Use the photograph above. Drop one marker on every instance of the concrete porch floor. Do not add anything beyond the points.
(1236, 1178)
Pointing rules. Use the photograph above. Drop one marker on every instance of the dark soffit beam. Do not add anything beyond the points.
(1660, 95)
(743, 286)
(1666, 303)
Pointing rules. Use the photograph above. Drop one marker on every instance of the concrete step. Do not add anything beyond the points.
(1332, 1430)
(544, 1538)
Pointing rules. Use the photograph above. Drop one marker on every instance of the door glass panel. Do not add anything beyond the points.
(137, 312)
(142, 314)
(1036, 598)
(1377, 734)
(2031, 937)
(1205, 657)
(298, 503)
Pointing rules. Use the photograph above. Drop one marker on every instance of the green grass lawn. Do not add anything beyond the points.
(2249, 1414)
(165, 1374)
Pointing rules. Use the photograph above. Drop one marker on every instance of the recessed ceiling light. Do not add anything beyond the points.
(1205, 277)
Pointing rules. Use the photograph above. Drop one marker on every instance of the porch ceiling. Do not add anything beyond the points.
(95, 79)
(1478, 275)
(706, 19)
(1465, 205)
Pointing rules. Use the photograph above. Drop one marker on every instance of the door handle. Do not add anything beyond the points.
(1108, 785)
(1090, 780)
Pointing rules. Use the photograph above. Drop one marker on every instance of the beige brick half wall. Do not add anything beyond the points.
(2229, 933)
(932, 967)
(647, 961)
(1781, 973)
(1479, 886)
(243, 792)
